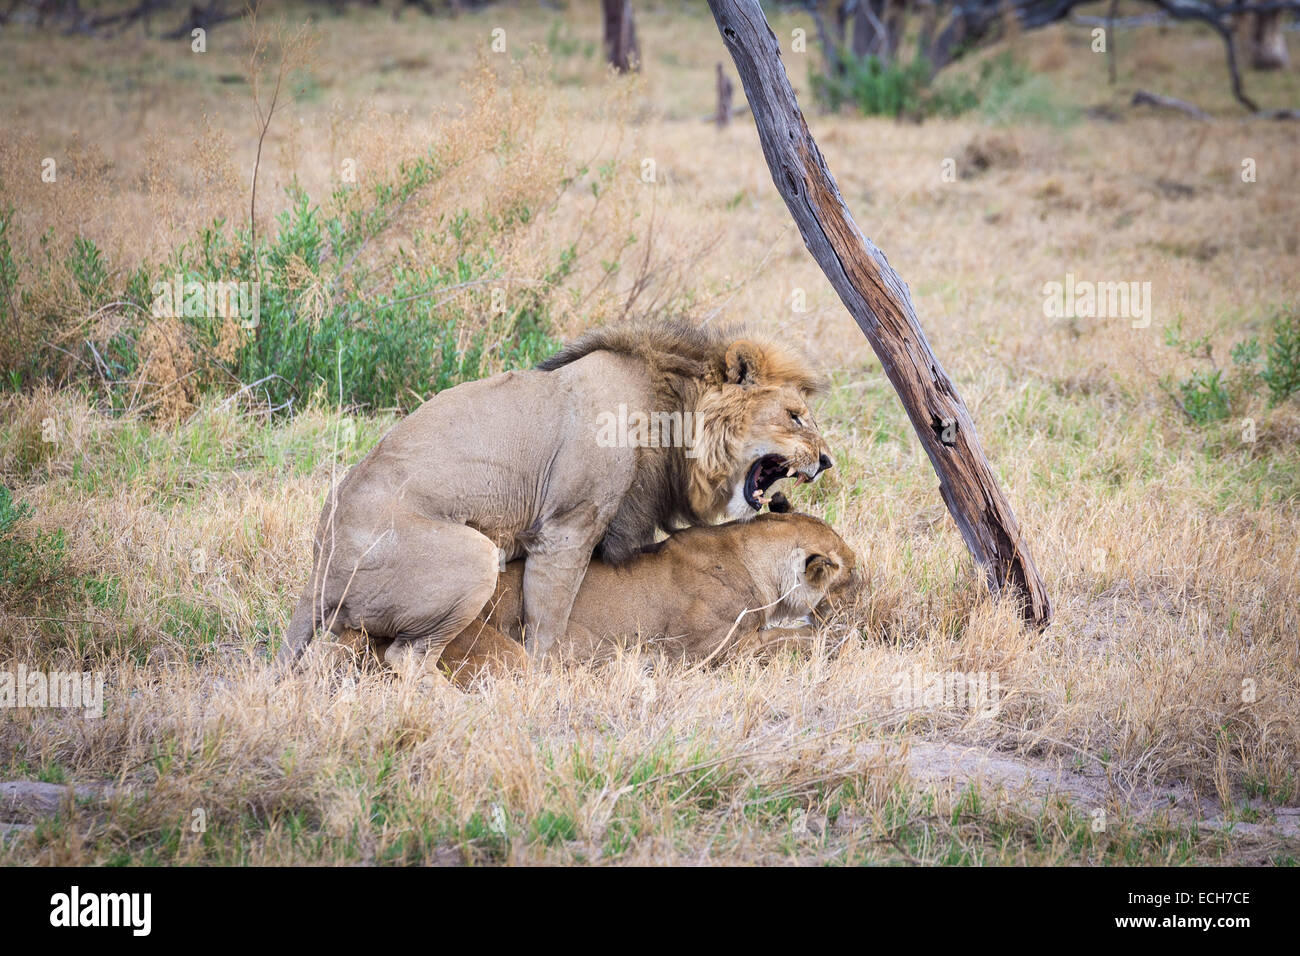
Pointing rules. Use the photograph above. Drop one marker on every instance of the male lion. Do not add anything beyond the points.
(525, 464)
(704, 593)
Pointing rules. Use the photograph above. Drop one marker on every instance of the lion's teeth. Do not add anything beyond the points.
(790, 472)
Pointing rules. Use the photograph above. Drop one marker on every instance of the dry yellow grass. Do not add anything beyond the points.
(1166, 693)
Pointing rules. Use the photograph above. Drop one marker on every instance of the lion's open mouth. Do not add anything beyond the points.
(764, 473)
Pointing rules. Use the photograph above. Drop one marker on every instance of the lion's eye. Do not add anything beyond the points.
(794, 417)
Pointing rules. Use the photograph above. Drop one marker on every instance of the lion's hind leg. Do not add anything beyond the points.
(443, 575)
(302, 627)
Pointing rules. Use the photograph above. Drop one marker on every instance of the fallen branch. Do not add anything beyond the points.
(1144, 98)
(1215, 19)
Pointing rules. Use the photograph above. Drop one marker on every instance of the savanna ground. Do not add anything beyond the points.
(157, 518)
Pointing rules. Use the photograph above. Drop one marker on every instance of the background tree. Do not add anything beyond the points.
(621, 49)
(866, 35)
(1267, 42)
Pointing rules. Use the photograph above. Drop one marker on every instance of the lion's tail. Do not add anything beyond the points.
(301, 630)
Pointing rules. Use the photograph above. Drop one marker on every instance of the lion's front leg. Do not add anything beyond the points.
(551, 582)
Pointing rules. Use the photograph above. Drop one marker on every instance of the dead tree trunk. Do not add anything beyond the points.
(1268, 43)
(877, 28)
(882, 306)
(723, 116)
(621, 49)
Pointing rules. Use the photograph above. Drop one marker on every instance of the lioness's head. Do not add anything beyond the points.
(755, 429)
(819, 573)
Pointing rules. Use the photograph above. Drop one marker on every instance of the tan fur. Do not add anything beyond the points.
(704, 593)
(409, 543)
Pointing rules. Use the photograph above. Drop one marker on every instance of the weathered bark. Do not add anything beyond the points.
(621, 48)
(880, 303)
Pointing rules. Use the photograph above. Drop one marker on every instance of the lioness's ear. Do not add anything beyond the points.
(744, 364)
(817, 570)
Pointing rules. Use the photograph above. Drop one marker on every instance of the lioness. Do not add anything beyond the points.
(524, 464)
(703, 593)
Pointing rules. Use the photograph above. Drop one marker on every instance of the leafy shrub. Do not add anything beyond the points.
(327, 321)
(875, 88)
(1282, 371)
(384, 350)
(1211, 394)
(1204, 397)
(1008, 92)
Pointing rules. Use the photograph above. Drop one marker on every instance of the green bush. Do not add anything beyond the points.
(328, 322)
(898, 88)
(1211, 394)
(875, 88)
(379, 350)
(1282, 370)
(1008, 92)
(1204, 397)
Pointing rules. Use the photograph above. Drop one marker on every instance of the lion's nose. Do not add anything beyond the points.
(824, 463)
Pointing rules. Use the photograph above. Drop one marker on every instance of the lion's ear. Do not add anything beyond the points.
(744, 364)
(817, 570)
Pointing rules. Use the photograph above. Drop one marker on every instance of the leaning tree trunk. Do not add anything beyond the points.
(882, 306)
(621, 49)
(1268, 43)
